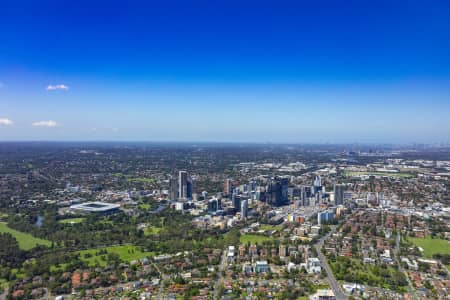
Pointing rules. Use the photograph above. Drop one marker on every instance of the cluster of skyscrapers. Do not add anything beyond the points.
(315, 194)
(274, 191)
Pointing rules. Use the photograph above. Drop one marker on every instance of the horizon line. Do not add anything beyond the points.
(412, 143)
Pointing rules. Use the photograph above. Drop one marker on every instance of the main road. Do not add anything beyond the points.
(340, 295)
(161, 284)
(222, 267)
(411, 289)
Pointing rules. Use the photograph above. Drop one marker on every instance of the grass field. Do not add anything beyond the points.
(254, 239)
(388, 174)
(270, 227)
(26, 241)
(152, 230)
(431, 246)
(321, 287)
(126, 253)
(72, 221)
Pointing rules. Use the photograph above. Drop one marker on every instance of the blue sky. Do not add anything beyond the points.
(255, 71)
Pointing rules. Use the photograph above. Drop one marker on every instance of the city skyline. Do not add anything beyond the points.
(285, 72)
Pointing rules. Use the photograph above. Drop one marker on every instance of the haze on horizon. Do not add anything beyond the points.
(225, 71)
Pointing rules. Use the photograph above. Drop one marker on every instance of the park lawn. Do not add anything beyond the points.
(72, 221)
(268, 227)
(321, 286)
(26, 240)
(254, 239)
(127, 253)
(431, 246)
(388, 174)
(152, 230)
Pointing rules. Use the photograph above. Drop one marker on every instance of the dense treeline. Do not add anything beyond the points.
(176, 232)
(350, 270)
(10, 254)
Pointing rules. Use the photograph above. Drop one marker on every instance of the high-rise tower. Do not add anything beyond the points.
(339, 194)
(182, 184)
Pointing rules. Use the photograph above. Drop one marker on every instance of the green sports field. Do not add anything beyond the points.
(431, 246)
(26, 240)
(72, 221)
(126, 253)
(254, 239)
(270, 227)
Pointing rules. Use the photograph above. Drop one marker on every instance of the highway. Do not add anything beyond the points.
(340, 295)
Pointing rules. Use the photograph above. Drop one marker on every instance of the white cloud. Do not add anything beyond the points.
(48, 123)
(54, 87)
(5, 122)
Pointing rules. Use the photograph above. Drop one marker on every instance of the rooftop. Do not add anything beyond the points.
(95, 206)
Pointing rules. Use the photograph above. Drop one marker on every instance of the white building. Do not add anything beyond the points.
(313, 265)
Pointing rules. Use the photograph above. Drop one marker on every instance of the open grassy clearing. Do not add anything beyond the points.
(431, 246)
(254, 239)
(126, 253)
(270, 227)
(72, 221)
(26, 240)
(152, 230)
(321, 286)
